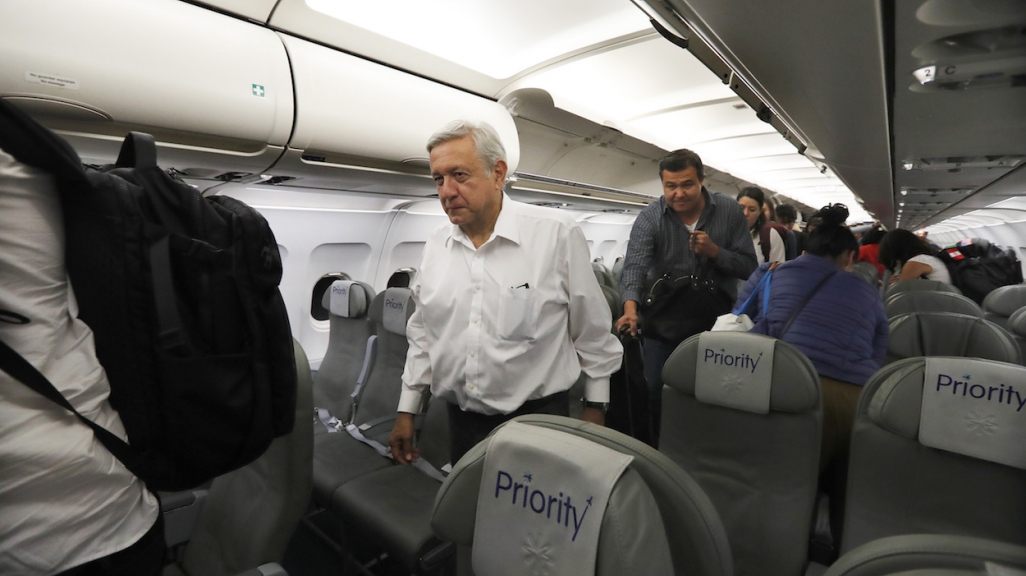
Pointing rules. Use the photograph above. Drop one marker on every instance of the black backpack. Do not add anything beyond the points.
(181, 293)
(977, 267)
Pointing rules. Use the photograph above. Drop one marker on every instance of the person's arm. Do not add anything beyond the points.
(636, 263)
(736, 256)
(749, 286)
(914, 271)
(598, 351)
(778, 251)
(416, 381)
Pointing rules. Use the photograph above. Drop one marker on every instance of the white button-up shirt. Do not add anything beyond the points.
(517, 319)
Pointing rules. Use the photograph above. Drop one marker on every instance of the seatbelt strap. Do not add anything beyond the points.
(20, 369)
(421, 464)
(331, 423)
(361, 380)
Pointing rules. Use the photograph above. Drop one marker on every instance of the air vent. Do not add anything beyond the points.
(958, 163)
(276, 180)
(233, 176)
(551, 204)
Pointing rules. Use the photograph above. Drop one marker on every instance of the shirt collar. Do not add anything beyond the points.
(505, 226)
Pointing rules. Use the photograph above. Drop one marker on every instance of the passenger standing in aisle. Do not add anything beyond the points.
(689, 230)
(67, 505)
(508, 311)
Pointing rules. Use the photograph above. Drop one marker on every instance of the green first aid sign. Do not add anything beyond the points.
(258, 90)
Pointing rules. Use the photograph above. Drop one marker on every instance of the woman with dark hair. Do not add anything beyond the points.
(769, 246)
(836, 319)
(901, 248)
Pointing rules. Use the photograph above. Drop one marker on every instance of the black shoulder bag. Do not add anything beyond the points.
(674, 309)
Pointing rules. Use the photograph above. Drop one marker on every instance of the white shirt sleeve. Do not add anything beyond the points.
(777, 251)
(417, 373)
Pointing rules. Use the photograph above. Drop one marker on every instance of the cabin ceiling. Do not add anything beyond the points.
(597, 60)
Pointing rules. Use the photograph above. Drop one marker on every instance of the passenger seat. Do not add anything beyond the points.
(349, 356)
(898, 485)
(250, 514)
(1002, 302)
(948, 334)
(932, 554)
(656, 511)
(918, 285)
(339, 458)
(920, 301)
(759, 469)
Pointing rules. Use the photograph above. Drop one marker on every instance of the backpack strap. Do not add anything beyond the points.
(20, 369)
(764, 242)
(806, 300)
(32, 144)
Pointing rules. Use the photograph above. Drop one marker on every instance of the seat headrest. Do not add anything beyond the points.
(949, 334)
(919, 301)
(969, 406)
(347, 298)
(392, 309)
(1004, 301)
(656, 515)
(1017, 322)
(919, 286)
(795, 383)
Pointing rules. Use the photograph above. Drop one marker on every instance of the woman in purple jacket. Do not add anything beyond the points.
(843, 328)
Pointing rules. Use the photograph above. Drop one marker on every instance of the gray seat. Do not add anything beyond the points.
(250, 514)
(391, 507)
(654, 503)
(603, 275)
(921, 285)
(346, 357)
(930, 554)
(760, 470)
(1002, 302)
(949, 334)
(917, 301)
(618, 268)
(867, 272)
(1017, 326)
(897, 485)
(338, 457)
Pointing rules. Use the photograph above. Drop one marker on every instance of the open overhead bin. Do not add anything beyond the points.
(364, 126)
(215, 91)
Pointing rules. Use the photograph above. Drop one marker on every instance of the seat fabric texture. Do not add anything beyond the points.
(919, 301)
(949, 334)
(867, 272)
(929, 554)
(250, 514)
(343, 360)
(760, 470)
(654, 497)
(898, 486)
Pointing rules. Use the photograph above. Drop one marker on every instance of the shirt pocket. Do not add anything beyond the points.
(518, 314)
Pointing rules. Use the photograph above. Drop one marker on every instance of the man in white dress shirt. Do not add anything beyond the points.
(508, 311)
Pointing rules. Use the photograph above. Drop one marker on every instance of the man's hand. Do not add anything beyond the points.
(593, 415)
(629, 320)
(702, 244)
(401, 440)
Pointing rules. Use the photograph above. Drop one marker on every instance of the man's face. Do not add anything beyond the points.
(470, 194)
(683, 190)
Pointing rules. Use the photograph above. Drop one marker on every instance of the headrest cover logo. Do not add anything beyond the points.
(393, 304)
(558, 509)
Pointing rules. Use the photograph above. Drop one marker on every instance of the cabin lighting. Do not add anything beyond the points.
(904, 192)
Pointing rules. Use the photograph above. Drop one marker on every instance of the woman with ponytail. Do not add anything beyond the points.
(841, 327)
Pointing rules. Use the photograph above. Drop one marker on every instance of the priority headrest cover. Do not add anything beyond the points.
(347, 299)
(397, 306)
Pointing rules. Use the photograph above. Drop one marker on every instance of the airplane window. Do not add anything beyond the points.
(317, 310)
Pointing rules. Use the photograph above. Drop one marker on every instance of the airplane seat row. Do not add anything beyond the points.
(949, 334)
(349, 355)
(232, 536)
(604, 276)
(338, 457)
(1017, 326)
(753, 445)
(926, 301)
(500, 502)
(617, 268)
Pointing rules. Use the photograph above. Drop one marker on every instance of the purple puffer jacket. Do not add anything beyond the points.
(843, 329)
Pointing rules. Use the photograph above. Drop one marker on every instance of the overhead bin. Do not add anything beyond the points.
(364, 126)
(215, 91)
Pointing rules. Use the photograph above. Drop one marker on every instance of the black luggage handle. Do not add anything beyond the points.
(139, 150)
